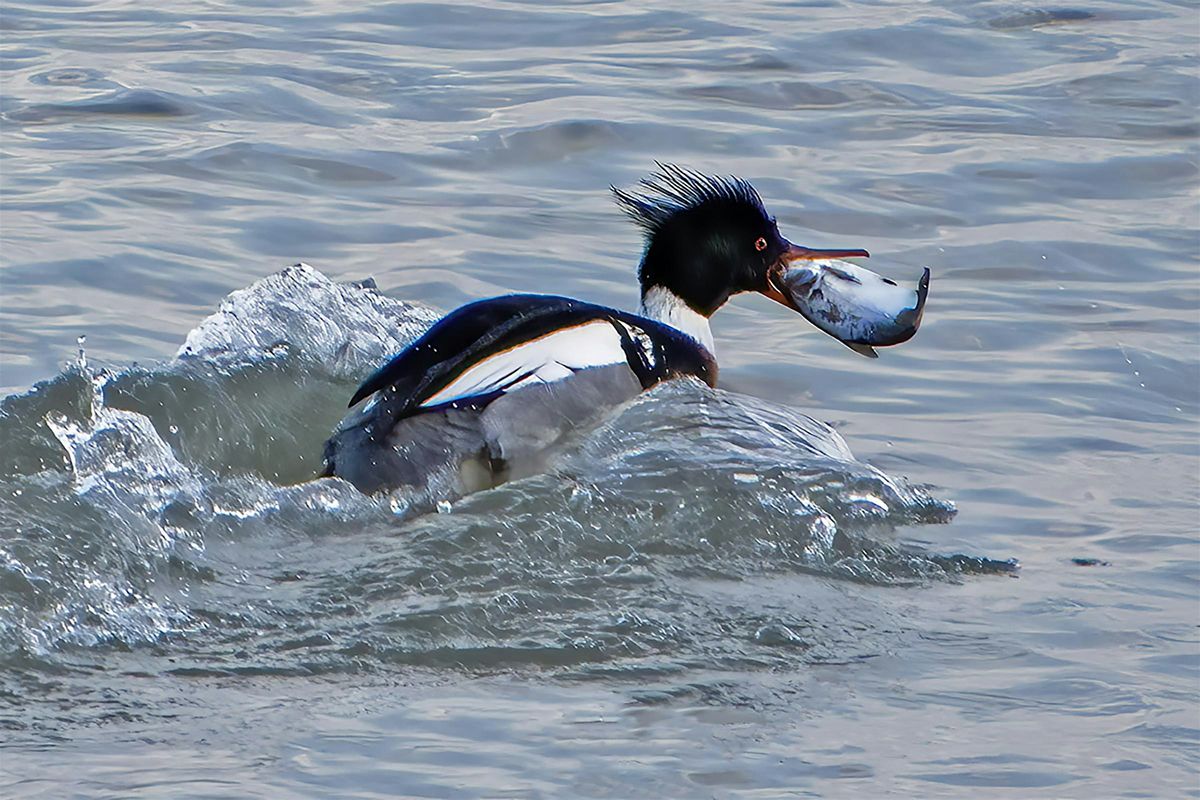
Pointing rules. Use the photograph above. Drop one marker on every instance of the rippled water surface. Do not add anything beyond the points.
(712, 594)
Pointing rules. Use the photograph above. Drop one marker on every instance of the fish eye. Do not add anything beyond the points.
(760, 244)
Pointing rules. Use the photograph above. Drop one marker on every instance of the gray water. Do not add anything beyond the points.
(710, 595)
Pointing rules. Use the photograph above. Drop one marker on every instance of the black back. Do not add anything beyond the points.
(477, 330)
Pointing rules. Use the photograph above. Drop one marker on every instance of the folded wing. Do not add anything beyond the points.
(544, 359)
(495, 346)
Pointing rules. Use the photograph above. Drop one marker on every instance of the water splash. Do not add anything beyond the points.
(177, 503)
(346, 328)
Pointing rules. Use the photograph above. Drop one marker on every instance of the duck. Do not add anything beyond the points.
(487, 392)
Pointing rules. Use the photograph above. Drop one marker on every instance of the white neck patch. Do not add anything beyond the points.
(667, 307)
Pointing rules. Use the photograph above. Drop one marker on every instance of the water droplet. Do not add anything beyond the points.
(443, 506)
(173, 429)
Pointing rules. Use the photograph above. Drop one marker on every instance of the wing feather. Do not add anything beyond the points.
(489, 347)
(552, 357)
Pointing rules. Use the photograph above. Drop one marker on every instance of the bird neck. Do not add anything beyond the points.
(663, 305)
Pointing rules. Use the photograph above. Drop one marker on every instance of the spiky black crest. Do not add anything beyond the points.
(673, 190)
(706, 237)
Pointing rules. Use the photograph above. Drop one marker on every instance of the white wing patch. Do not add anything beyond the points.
(550, 358)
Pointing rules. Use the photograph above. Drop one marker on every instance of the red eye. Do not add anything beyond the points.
(760, 244)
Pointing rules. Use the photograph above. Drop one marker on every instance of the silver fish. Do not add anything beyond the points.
(861, 309)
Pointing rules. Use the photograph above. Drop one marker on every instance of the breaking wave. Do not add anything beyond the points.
(176, 506)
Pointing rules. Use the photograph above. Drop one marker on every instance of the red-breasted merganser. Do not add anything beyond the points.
(484, 393)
